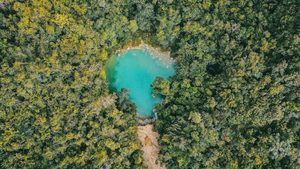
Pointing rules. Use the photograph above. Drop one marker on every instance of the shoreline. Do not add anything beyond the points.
(155, 52)
(143, 121)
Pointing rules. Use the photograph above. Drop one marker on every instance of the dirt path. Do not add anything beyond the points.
(150, 147)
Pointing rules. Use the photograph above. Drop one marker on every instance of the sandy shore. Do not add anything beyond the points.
(163, 56)
(150, 147)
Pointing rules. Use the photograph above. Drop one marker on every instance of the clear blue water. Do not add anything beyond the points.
(135, 70)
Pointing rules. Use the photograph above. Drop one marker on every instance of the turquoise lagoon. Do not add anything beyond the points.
(135, 70)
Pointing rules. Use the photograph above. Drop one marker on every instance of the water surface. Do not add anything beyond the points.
(135, 70)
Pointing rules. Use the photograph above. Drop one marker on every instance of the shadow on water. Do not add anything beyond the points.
(111, 72)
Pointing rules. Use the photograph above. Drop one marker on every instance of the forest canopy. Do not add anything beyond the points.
(233, 103)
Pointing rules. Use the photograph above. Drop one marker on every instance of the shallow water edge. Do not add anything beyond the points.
(155, 52)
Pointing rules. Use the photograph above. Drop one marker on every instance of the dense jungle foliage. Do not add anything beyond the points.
(234, 102)
(55, 108)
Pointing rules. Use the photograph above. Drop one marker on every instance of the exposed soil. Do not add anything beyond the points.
(150, 147)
